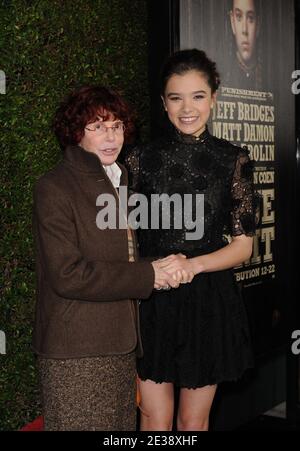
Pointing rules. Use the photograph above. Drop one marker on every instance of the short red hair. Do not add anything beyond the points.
(83, 106)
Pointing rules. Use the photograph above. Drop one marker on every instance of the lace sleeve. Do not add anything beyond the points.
(132, 163)
(244, 199)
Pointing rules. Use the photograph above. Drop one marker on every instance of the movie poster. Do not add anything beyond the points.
(245, 39)
(247, 118)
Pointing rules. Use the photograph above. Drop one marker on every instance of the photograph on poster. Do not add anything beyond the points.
(245, 68)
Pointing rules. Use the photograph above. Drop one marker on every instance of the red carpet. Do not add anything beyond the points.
(35, 425)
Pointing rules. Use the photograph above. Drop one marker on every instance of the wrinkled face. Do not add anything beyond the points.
(245, 28)
(188, 101)
(104, 142)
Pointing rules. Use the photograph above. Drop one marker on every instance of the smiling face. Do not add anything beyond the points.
(245, 28)
(106, 145)
(188, 101)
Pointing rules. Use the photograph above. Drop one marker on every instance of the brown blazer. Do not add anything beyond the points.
(85, 282)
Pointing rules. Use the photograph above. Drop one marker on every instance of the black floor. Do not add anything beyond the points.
(268, 423)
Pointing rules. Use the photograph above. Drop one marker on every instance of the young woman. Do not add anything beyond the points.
(197, 336)
(86, 331)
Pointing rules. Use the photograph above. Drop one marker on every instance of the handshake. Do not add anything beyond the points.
(173, 270)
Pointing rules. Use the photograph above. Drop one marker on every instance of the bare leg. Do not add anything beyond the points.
(194, 408)
(157, 405)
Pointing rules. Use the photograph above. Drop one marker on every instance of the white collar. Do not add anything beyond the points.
(114, 174)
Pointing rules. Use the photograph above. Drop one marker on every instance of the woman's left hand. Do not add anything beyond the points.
(179, 266)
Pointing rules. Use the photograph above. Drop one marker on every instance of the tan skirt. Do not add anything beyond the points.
(89, 394)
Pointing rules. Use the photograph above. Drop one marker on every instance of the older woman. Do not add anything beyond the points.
(86, 328)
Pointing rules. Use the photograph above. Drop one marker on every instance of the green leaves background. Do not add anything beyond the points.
(47, 49)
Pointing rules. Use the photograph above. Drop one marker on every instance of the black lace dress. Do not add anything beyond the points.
(198, 334)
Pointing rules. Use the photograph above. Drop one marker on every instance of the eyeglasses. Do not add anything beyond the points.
(100, 128)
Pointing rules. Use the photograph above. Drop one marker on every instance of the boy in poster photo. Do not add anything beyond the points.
(245, 72)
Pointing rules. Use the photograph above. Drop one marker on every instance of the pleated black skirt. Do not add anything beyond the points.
(195, 335)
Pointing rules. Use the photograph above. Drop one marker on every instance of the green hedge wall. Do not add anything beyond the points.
(47, 49)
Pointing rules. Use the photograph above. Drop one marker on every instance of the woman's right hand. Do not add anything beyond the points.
(163, 280)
